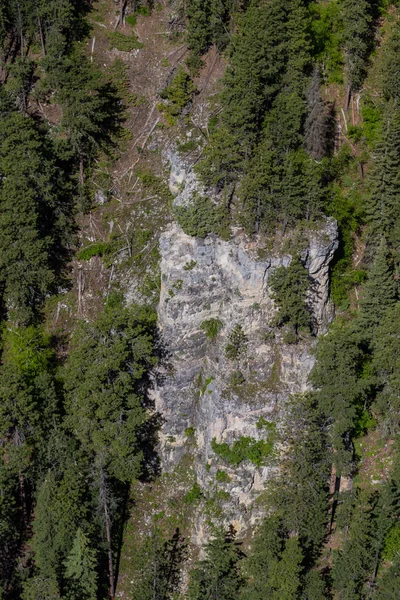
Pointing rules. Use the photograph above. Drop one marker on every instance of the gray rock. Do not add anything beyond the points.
(211, 278)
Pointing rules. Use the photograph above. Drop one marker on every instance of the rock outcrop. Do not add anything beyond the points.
(203, 395)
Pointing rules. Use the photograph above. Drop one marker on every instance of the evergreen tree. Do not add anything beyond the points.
(386, 362)
(35, 217)
(92, 111)
(388, 585)
(341, 391)
(106, 366)
(300, 491)
(266, 550)
(391, 65)
(315, 587)
(357, 37)
(199, 32)
(379, 294)
(285, 576)
(354, 561)
(316, 126)
(80, 568)
(290, 286)
(384, 182)
(160, 566)
(217, 577)
(257, 60)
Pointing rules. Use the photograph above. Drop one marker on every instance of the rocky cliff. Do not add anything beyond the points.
(207, 399)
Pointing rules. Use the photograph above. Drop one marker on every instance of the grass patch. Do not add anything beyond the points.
(124, 43)
(97, 249)
(211, 328)
(246, 448)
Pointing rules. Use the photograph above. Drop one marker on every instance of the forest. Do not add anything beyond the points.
(305, 126)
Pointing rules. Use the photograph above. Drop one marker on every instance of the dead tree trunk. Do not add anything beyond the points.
(120, 18)
(41, 36)
(348, 98)
(107, 523)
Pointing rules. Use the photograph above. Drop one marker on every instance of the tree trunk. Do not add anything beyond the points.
(41, 36)
(120, 19)
(81, 172)
(348, 98)
(107, 522)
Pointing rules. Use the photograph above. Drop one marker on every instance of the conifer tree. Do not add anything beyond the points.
(35, 217)
(107, 363)
(391, 65)
(341, 392)
(386, 363)
(316, 126)
(266, 550)
(315, 587)
(300, 491)
(80, 568)
(358, 37)
(354, 562)
(199, 32)
(290, 286)
(217, 577)
(285, 576)
(384, 198)
(387, 587)
(251, 81)
(379, 294)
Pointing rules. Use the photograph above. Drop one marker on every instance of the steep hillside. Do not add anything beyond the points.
(199, 264)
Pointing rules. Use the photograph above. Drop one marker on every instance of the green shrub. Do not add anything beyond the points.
(193, 495)
(124, 43)
(200, 217)
(188, 146)
(237, 378)
(143, 10)
(237, 343)
(96, 249)
(267, 425)
(222, 477)
(190, 431)
(211, 328)
(190, 265)
(246, 448)
(131, 20)
(392, 543)
(179, 93)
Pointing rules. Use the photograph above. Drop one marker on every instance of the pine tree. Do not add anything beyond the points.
(36, 217)
(315, 587)
(316, 126)
(217, 577)
(386, 363)
(300, 491)
(199, 32)
(383, 203)
(106, 366)
(341, 392)
(388, 585)
(80, 568)
(289, 287)
(266, 550)
(354, 562)
(379, 294)
(251, 81)
(92, 112)
(358, 37)
(391, 65)
(285, 576)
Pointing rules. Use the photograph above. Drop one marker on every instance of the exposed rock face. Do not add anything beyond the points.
(198, 397)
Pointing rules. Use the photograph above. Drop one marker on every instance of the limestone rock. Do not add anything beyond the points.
(196, 391)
